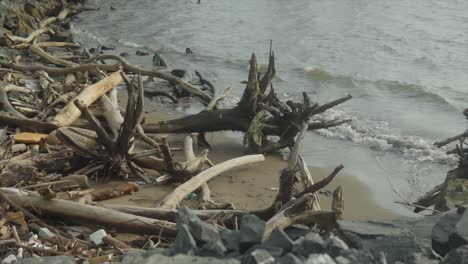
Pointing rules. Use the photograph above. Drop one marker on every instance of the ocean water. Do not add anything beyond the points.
(404, 62)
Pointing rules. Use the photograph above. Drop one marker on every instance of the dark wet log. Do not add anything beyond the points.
(428, 199)
(449, 140)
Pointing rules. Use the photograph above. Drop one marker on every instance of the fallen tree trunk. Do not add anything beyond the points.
(87, 96)
(82, 213)
(172, 200)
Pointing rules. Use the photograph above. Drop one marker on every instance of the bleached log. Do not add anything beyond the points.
(87, 96)
(91, 214)
(174, 198)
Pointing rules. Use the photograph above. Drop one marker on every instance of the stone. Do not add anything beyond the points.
(45, 233)
(251, 231)
(212, 249)
(456, 256)
(310, 244)
(47, 260)
(342, 260)
(279, 239)
(177, 259)
(450, 231)
(184, 241)
(230, 239)
(289, 259)
(124, 54)
(371, 229)
(201, 231)
(319, 259)
(258, 256)
(179, 72)
(97, 236)
(296, 232)
(357, 256)
(141, 53)
(9, 259)
(335, 246)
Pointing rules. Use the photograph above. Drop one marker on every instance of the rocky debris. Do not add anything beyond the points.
(457, 256)
(141, 53)
(451, 231)
(251, 231)
(47, 260)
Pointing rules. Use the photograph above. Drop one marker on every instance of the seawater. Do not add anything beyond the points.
(404, 62)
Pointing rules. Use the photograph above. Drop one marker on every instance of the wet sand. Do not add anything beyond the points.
(253, 186)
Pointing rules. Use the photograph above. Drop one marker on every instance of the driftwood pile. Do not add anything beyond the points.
(69, 133)
(453, 192)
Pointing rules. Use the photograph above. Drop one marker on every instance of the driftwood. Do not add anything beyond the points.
(173, 199)
(158, 74)
(60, 71)
(259, 114)
(87, 96)
(91, 214)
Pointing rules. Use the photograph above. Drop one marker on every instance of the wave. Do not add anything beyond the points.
(402, 89)
(413, 148)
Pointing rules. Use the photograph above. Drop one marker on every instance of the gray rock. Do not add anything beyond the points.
(342, 260)
(310, 244)
(230, 239)
(279, 239)
(356, 256)
(335, 246)
(178, 259)
(201, 231)
(251, 231)
(457, 256)
(47, 260)
(141, 53)
(296, 232)
(450, 232)
(371, 229)
(212, 249)
(289, 259)
(320, 259)
(258, 256)
(184, 241)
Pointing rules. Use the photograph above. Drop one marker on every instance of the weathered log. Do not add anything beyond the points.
(170, 214)
(174, 198)
(158, 74)
(60, 71)
(320, 184)
(87, 96)
(50, 58)
(31, 36)
(82, 213)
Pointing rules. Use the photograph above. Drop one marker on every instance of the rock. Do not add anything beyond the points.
(342, 260)
(141, 53)
(124, 54)
(201, 231)
(450, 232)
(335, 246)
(319, 259)
(178, 259)
(47, 260)
(178, 72)
(399, 244)
(356, 256)
(9, 259)
(258, 256)
(230, 239)
(289, 259)
(97, 236)
(251, 231)
(45, 233)
(296, 232)
(279, 239)
(457, 256)
(212, 249)
(184, 241)
(310, 244)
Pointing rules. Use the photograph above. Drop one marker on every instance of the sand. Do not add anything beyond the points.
(253, 186)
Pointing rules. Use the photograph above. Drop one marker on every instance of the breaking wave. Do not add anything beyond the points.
(414, 148)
